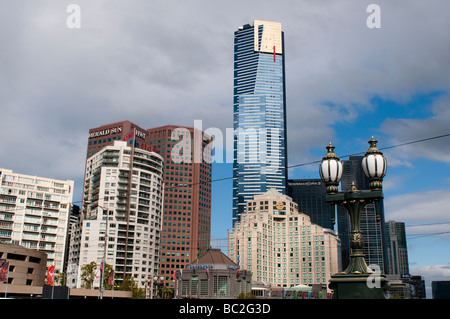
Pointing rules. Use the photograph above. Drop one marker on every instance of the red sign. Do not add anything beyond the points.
(146, 147)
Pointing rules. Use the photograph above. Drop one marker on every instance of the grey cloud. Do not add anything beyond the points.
(411, 129)
(418, 207)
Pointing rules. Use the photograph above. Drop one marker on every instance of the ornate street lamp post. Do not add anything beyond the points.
(357, 281)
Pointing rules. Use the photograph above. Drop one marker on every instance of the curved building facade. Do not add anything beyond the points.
(122, 208)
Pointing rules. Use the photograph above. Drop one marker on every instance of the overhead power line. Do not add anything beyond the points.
(354, 154)
(427, 235)
(317, 161)
(417, 141)
(429, 224)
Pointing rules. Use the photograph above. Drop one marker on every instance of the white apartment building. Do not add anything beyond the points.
(35, 212)
(122, 206)
(280, 245)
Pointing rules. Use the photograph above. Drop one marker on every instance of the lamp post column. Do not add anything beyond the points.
(355, 282)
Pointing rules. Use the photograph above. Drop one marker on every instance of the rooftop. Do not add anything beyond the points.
(214, 257)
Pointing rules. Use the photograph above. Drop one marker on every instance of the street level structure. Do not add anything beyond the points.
(212, 276)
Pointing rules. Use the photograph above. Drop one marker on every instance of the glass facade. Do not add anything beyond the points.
(397, 249)
(310, 195)
(259, 115)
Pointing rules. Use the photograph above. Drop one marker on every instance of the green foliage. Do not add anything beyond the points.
(61, 279)
(167, 293)
(247, 295)
(88, 275)
(127, 284)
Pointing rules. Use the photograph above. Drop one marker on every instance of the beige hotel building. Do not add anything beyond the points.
(280, 245)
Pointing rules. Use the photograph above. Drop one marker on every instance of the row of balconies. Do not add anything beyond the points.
(44, 221)
(39, 237)
(149, 160)
(6, 225)
(6, 217)
(37, 229)
(42, 204)
(5, 233)
(8, 200)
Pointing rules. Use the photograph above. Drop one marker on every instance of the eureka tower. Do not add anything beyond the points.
(259, 113)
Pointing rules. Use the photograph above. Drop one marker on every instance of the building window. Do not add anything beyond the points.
(194, 286)
(204, 288)
(220, 286)
(185, 288)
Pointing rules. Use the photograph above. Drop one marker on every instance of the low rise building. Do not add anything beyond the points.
(23, 271)
(212, 276)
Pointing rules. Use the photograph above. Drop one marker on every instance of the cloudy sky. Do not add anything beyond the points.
(171, 62)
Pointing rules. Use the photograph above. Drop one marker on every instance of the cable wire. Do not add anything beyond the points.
(344, 156)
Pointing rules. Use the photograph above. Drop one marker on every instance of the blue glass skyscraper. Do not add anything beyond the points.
(259, 115)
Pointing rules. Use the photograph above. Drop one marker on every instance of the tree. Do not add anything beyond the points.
(167, 293)
(247, 295)
(128, 284)
(61, 279)
(88, 274)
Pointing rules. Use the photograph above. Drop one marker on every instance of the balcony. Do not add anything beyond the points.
(8, 200)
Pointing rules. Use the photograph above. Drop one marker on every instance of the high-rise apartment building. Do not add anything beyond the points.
(186, 229)
(186, 221)
(35, 213)
(73, 248)
(372, 228)
(122, 211)
(259, 112)
(280, 245)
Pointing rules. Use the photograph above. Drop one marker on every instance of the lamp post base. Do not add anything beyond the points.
(358, 286)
